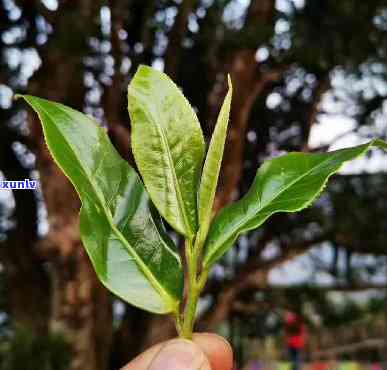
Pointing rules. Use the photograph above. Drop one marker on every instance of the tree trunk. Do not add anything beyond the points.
(28, 281)
(80, 305)
(82, 311)
(249, 82)
(176, 37)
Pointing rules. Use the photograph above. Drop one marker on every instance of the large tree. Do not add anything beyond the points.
(292, 63)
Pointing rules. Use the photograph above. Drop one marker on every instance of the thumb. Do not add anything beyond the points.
(180, 354)
(176, 354)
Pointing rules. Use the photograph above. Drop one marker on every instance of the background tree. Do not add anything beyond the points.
(293, 63)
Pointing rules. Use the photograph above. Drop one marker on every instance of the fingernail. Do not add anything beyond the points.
(180, 355)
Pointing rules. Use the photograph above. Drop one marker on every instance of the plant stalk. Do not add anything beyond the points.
(196, 285)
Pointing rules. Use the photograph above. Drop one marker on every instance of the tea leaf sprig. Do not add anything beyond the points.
(121, 218)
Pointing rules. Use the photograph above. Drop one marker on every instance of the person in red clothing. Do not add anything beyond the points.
(295, 337)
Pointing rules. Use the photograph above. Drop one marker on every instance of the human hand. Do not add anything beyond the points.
(205, 352)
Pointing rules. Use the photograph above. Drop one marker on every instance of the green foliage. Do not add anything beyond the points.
(163, 120)
(285, 184)
(211, 169)
(23, 349)
(130, 250)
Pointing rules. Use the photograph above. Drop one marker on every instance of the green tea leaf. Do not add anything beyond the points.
(212, 165)
(168, 146)
(285, 184)
(132, 256)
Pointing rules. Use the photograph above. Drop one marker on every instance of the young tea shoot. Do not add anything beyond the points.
(121, 218)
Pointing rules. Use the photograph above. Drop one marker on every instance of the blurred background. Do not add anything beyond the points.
(308, 75)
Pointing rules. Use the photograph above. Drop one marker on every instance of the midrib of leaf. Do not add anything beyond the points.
(174, 176)
(109, 217)
(260, 208)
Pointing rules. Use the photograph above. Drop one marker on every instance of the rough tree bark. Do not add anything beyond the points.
(176, 36)
(27, 300)
(249, 82)
(80, 306)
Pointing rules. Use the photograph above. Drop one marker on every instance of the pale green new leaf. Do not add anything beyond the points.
(212, 165)
(285, 184)
(131, 254)
(168, 146)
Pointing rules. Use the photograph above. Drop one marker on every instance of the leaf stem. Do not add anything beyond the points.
(191, 304)
(196, 284)
(178, 323)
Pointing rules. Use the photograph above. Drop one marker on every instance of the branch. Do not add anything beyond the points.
(251, 308)
(249, 83)
(370, 343)
(112, 100)
(289, 251)
(324, 148)
(176, 36)
(260, 12)
(253, 275)
(354, 287)
(322, 87)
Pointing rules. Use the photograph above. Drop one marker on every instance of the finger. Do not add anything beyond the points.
(176, 354)
(217, 350)
(143, 360)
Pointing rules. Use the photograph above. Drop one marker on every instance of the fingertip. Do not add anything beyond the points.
(142, 361)
(175, 354)
(217, 349)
